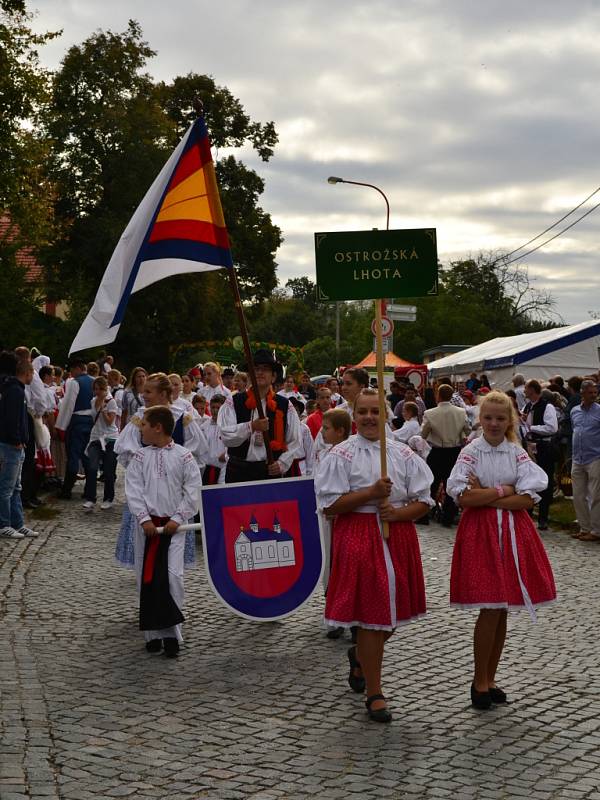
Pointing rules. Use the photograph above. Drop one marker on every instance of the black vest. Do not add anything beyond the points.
(244, 414)
(537, 416)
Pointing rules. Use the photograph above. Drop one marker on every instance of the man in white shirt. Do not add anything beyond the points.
(242, 430)
(541, 425)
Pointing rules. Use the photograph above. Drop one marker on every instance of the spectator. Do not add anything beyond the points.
(305, 387)
(14, 434)
(456, 399)
(315, 420)
(585, 470)
(132, 398)
(445, 428)
(396, 394)
(473, 384)
(541, 424)
(518, 381)
(410, 396)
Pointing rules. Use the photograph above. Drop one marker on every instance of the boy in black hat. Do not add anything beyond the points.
(242, 430)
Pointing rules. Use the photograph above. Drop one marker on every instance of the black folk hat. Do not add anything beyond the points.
(263, 356)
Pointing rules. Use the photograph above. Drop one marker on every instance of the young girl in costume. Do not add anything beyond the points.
(375, 583)
(499, 562)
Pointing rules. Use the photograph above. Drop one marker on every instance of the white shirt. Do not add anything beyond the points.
(307, 446)
(507, 463)
(163, 482)
(210, 391)
(355, 464)
(234, 434)
(36, 396)
(216, 447)
(410, 428)
(67, 404)
(521, 399)
(103, 430)
(130, 438)
(550, 424)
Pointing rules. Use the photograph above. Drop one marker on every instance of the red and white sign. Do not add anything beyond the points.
(387, 327)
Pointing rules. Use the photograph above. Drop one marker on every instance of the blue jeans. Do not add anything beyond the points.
(77, 438)
(11, 464)
(109, 461)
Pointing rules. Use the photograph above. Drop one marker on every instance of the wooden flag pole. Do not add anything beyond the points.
(237, 301)
(382, 407)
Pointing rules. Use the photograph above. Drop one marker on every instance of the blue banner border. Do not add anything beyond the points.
(262, 609)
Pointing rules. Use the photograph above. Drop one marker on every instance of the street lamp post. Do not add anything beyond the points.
(379, 346)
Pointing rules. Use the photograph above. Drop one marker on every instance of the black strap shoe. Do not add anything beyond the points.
(171, 646)
(378, 714)
(480, 700)
(497, 695)
(154, 645)
(357, 682)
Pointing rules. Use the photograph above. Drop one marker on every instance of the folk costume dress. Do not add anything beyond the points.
(161, 483)
(374, 583)
(185, 433)
(499, 560)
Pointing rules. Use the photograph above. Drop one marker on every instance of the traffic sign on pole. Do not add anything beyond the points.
(387, 327)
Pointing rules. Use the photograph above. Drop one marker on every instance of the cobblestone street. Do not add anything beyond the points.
(263, 711)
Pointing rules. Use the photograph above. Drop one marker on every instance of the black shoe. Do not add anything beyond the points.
(171, 646)
(28, 504)
(64, 494)
(154, 645)
(334, 633)
(497, 695)
(357, 683)
(379, 714)
(481, 700)
(542, 525)
(354, 631)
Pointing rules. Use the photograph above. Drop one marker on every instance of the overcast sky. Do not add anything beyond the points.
(478, 118)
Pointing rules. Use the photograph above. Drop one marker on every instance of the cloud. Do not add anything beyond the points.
(480, 119)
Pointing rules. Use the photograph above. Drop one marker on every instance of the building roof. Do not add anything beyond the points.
(265, 535)
(446, 348)
(25, 256)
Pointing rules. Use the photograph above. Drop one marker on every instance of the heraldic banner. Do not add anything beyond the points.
(262, 545)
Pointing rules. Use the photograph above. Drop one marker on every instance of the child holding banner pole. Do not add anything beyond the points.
(375, 583)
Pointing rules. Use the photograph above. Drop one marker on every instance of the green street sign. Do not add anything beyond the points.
(366, 265)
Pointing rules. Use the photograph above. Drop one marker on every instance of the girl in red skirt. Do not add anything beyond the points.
(375, 583)
(499, 562)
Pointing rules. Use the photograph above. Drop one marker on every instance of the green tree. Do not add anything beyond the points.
(112, 130)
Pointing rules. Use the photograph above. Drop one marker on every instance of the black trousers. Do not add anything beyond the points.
(238, 470)
(441, 460)
(546, 459)
(30, 480)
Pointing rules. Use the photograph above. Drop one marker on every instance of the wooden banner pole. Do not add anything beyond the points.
(382, 406)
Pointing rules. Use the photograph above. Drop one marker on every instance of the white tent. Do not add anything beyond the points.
(572, 350)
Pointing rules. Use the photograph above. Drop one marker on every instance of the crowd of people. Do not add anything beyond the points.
(461, 451)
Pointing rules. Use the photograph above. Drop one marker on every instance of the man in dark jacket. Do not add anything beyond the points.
(13, 440)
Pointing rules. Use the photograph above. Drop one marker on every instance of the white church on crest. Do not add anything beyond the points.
(263, 548)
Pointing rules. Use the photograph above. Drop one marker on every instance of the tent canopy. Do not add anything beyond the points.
(570, 350)
(391, 361)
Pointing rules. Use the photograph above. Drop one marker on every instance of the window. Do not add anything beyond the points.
(259, 552)
(271, 551)
(285, 551)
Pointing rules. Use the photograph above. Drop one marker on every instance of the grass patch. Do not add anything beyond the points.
(562, 514)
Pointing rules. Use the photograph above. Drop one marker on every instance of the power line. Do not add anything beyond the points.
(554, 224)
(556, 235)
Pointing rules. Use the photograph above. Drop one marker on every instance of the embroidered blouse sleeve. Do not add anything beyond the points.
(332, 477)
(192, 484)
(531, 479)
(129, 440)
(233, 434)
(135, 490)
(459, 477)
(293, 437)
(194, 438)
(418, 480)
